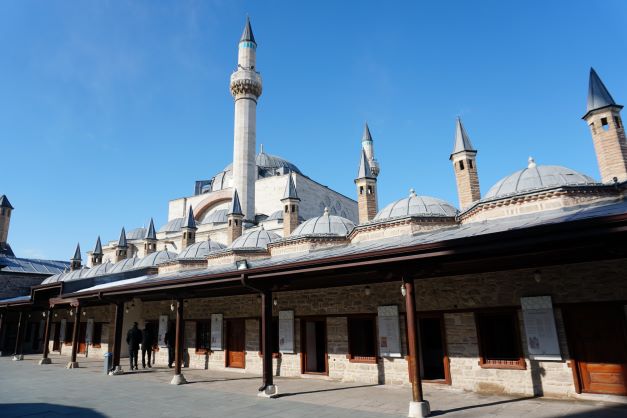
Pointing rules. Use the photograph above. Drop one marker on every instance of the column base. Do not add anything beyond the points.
(270, 391)
(45, 361)
(18, 357)
(72, 365)
(419, 409)
(116, 372)
(178, 379)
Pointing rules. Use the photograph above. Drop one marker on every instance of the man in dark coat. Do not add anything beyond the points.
(147, 341)
(170, 340)
(133, 339)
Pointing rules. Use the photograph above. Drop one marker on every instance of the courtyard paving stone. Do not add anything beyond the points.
(28, 389)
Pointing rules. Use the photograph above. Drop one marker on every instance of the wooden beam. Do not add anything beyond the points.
(117, 336)
(178, 348)
(266, 338)
(412, 339)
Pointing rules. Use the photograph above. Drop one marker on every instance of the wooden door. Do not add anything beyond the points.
(82, 333)
(235, 343)
(599, 347)
(314, 346)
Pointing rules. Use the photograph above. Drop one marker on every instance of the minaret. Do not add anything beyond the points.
(121, 250)
(367, 145)
(246, 89)
(76, 260)
(235, 218)
(366, 183)
(291, 202)
(464, 158)
(5, 220)
(150, 240)
(189, 229)
(608, 132)
(96, 255)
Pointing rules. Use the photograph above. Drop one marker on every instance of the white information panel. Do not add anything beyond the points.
(163, 328)
(286, 331)
(62, 332)
(540, 330)
(89, 332)
(389, 331)
(216, 331)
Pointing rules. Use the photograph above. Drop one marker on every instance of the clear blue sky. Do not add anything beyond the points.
(108, 109)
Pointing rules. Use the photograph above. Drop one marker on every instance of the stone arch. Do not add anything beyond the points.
(214, 198)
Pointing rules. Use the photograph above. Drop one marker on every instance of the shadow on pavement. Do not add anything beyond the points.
(481, 405)
(46, 409)
(283, 395)
(224, 379)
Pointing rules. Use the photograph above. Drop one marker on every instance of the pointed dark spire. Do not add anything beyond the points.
(122, 241)
(290, 189)
(247, 35)
(598, 96)
(151, 233)
(190, 222)
(77, 253)
(364, 167)
(462, 140)
(366, 136)
(98, 247)
(236, 208)
(4, 202)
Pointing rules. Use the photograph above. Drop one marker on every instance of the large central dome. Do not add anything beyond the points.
(267, 166)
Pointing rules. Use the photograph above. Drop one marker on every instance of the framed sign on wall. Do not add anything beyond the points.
(389, 331)
(286, 331)
(216, 331)
(540, 330)
(163, 328)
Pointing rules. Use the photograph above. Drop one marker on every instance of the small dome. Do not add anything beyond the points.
(54, 278)
(100, 270)
(201, 249)
(325, 225)
(258, 239)
(413, 205)
(174, 225)
(123, 265)
(267, 165)
(218, 216)
(536, 177)
(156, 258)
(76, 274)
(137, 233)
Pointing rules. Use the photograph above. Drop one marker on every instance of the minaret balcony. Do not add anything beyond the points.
(246, 82)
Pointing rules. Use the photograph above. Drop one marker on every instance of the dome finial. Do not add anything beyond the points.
(261, 149)
(261, 228)
(326, 211)
(532, 162)
(412, 192)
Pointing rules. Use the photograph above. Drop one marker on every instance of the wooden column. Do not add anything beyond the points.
(412, 339)
(178, 378)
(266, 338)
(45, 359)
(19, 338)
(77, 322)
(117, 336)
(178, 351)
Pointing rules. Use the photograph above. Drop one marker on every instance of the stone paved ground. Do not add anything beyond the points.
(27, 389)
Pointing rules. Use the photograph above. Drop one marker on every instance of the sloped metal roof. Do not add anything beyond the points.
(137, 233)
(174, 225)
(151, 233)
(462, 140)
(33, 266)
(247, 35)
(290, 189)
(236, 207)
(364, 171)
(4, 202)
(98, 247)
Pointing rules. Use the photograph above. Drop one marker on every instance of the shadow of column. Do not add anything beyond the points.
(536, 377)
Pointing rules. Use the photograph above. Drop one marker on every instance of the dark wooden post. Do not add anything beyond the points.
(178, 378)
(2, 327)
(77, 322)
(45, 359)
(117, 336)
(19, 338)
(266, 338)
(412, 339)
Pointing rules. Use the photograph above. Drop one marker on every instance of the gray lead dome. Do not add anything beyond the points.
(537, 177)
(254, 240)
(414, 205)
(325, 225)
(200, 249)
